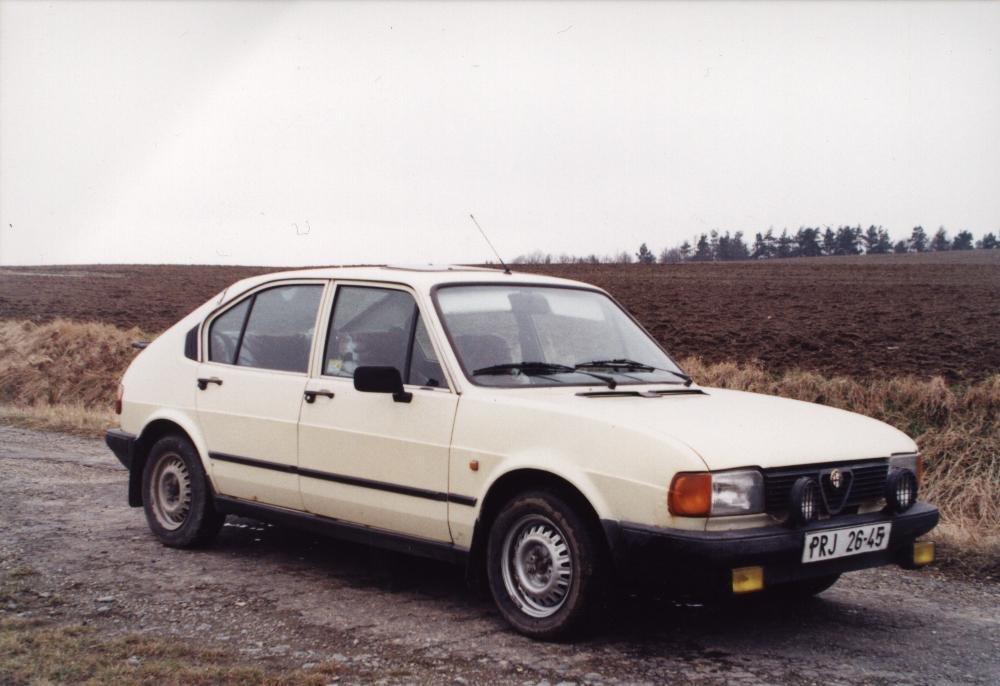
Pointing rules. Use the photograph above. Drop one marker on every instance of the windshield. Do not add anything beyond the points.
(545, 335)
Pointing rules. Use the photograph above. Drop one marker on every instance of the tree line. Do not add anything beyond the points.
(806, 242)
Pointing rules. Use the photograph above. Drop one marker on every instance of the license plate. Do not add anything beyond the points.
(855, 540)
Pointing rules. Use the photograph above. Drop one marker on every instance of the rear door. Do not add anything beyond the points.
(251, 384)
(363, 457)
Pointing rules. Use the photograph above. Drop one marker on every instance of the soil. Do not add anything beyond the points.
(286, 600)
(868, 316)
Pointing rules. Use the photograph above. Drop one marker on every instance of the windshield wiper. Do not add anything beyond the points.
(539, 369)
(632, 365)
(525, 368)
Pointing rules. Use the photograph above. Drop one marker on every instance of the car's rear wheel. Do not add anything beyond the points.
(546, 565)
(176, 495)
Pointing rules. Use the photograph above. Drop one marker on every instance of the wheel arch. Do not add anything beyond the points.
(506, 487)
(156, 428)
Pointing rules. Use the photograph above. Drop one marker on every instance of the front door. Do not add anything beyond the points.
(363, 457)
(251, 384)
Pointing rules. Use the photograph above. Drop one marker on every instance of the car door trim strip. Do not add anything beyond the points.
(346, 479)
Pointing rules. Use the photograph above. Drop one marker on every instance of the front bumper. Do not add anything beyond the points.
(701, 559)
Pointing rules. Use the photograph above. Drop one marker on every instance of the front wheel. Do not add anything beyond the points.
(176, 495)
(545, 565)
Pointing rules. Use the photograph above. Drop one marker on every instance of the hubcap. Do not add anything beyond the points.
(537, 566)
(171, 491)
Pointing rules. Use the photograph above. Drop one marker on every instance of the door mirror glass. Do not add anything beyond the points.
(381, 380)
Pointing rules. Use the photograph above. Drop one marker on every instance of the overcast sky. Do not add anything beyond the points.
(325, 133)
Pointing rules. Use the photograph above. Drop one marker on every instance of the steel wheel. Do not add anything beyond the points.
(537, 566)
(171, 491)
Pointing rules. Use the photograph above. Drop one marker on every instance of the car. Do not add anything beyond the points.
(524, 426)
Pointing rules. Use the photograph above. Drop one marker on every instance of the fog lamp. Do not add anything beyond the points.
(803, 500)
(901, 489)
(923, 553)
(748, 579)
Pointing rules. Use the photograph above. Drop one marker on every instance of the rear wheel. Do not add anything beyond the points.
(545, 565)
(176, 495)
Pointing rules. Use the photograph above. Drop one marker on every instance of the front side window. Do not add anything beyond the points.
(272, 329)
(539, 335)
(380, 327)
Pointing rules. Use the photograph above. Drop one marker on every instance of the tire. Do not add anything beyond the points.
(176, 495)
(804, 588)
(546, 566)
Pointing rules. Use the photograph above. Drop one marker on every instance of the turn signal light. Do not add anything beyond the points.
(690, 495)
(923, 553)
(748, 579)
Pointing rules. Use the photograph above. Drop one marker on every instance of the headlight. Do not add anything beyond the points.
(803, 500)
(737, 493)
(701, 494)
(901, 489)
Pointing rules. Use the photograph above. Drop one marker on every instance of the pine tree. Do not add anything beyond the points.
(685, 250)
(989, 242)
(645, 255)
(703, 251)
(940, 241)
(829, 242)
(962, 241)
(918, 239)
(901, 247)
(807, 240)
(871, 239)
(785, 245)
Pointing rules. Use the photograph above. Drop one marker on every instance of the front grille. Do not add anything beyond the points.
(868, 482)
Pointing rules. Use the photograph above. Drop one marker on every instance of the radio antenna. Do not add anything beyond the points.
(506, 269)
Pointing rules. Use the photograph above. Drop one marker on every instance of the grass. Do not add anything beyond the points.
(37, 650)
(34, 651)
(63, 375)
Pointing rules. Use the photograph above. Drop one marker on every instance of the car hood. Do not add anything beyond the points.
(729, 429)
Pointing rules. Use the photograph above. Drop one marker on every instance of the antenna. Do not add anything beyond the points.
(506, 269)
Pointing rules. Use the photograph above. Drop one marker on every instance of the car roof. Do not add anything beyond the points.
(423, 277)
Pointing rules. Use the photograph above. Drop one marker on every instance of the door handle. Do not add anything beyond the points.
(311, 395)
(203, 382)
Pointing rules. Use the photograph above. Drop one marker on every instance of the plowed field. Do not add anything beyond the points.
(863, 317)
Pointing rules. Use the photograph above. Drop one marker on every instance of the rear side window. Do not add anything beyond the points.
(273, 329)
(224, 336)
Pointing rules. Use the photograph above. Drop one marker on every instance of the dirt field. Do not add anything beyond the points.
(73, 555)
(872, 316)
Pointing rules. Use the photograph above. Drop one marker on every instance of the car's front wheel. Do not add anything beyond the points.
(176, 495)
(546, 565)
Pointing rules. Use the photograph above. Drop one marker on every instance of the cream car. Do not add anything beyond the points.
(524, 426)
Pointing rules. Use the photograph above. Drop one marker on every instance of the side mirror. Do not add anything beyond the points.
(381, 380)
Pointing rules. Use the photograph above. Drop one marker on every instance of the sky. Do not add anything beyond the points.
(335, 133)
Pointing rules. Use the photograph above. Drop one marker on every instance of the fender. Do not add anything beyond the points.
(189, 425)
(560, 467)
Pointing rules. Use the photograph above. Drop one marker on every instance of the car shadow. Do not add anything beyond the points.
(636, 618)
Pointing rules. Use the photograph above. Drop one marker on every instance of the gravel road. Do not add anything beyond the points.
(290, 599)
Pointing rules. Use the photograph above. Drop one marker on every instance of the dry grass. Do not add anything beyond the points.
(34, 651)
(63, 375)
(63, 362)
(72, 418)
(957, 428)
